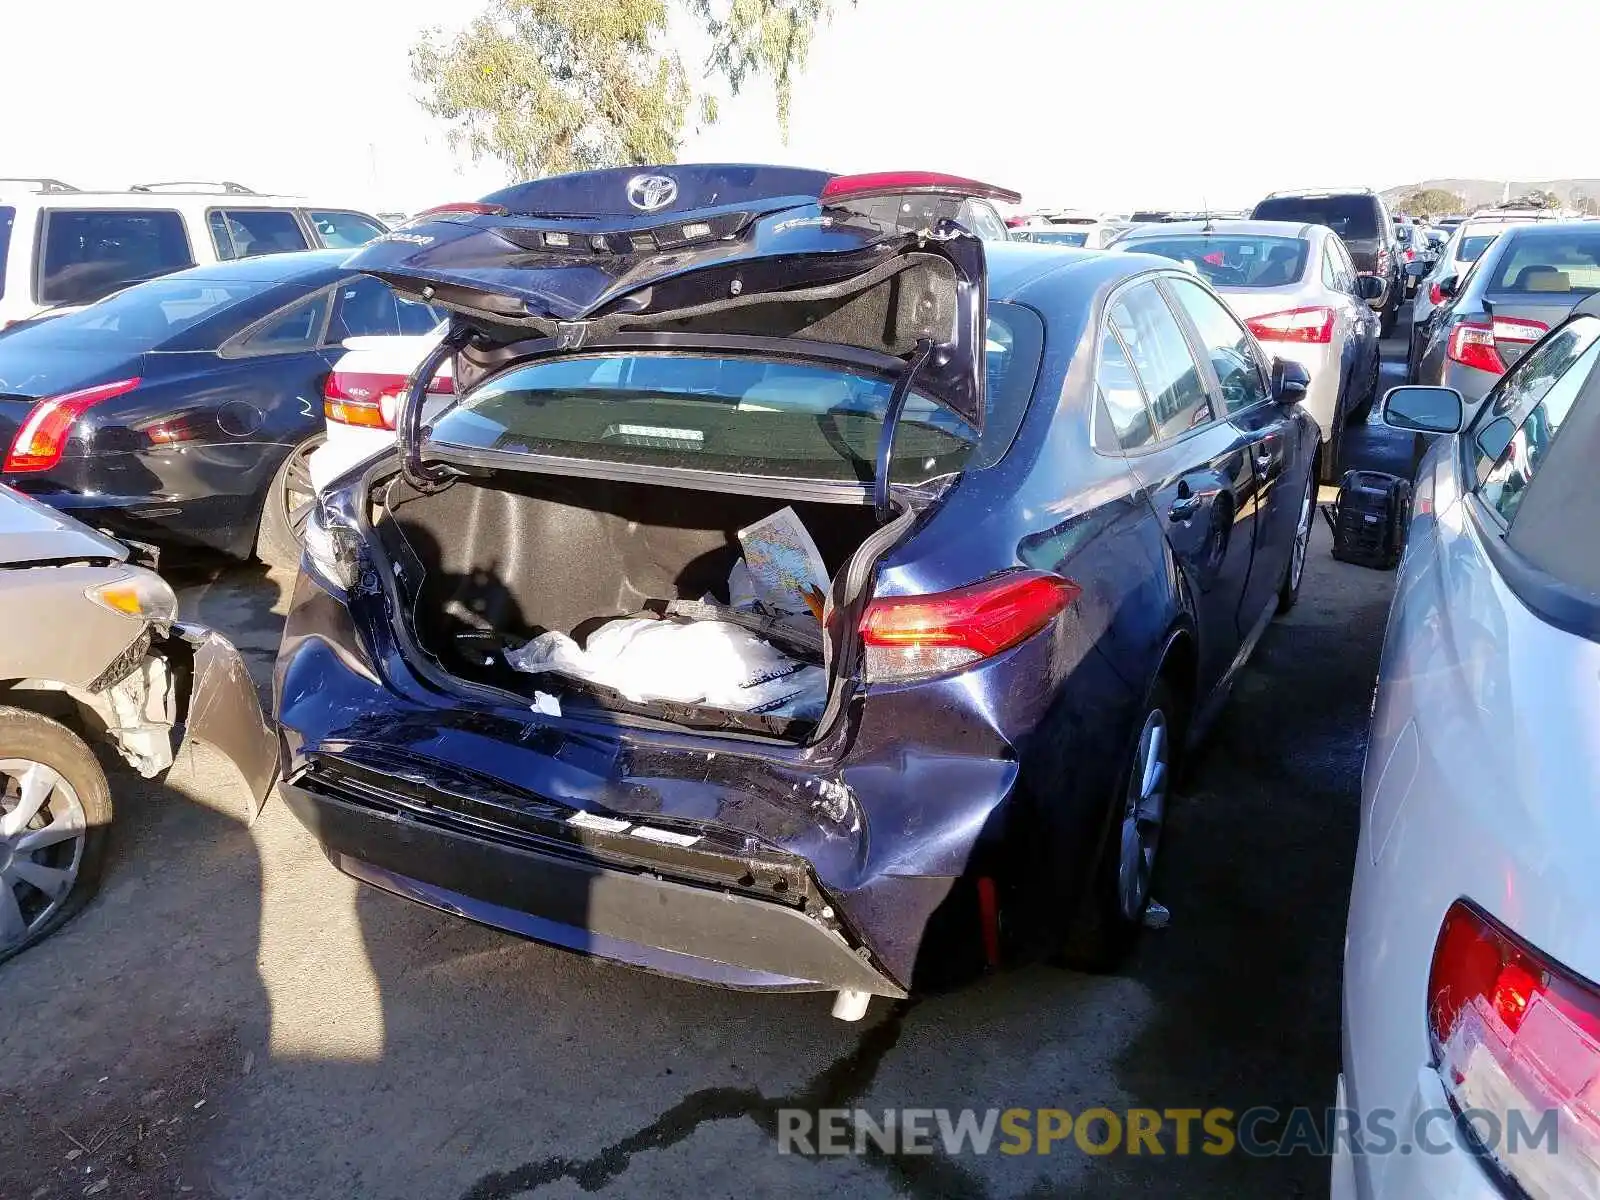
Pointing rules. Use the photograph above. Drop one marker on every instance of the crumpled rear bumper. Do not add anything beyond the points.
(224, 711)
(705, 913)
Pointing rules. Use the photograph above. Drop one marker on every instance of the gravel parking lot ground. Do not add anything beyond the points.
(234, 1018)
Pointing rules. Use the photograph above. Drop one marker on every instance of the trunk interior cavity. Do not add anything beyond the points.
(497, 561)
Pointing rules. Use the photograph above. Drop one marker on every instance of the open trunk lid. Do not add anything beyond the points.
(748, 257)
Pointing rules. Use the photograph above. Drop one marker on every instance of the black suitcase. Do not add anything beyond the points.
(1369, 519)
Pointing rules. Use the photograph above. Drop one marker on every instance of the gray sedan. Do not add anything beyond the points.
(1524, 284)
(94, 652)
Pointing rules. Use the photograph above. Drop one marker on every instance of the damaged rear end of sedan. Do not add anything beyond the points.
(651, 370)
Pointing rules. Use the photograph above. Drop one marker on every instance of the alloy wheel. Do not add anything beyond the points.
(1143, 815)
(43, 831)
(297, 494)
(1302, 538)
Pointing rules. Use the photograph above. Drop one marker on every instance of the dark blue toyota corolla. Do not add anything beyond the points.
(1057, 496)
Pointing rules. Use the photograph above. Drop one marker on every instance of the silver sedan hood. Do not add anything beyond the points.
(31, 532)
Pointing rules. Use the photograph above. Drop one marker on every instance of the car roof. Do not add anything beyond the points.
(1297, 193)
(1550, 229)
(268, 268)
(1016, 267)
(1294, 229)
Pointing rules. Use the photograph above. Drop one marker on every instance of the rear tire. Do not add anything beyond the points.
(1294, 575)
(1362, 409)
(289, 499)
(1111, 913)
(55, 827)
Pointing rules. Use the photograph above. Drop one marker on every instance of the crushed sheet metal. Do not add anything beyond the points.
(225, 713)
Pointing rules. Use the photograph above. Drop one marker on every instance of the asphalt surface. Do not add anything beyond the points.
(234, 1018)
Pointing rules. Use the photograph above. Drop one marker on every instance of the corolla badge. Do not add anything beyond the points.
(650, 193)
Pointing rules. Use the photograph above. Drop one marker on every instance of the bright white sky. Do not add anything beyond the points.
(1160, 104)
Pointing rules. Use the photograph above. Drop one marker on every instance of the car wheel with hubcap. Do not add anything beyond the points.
(55, 817)
(1112, 912)
(289, 500)
(1289, 593)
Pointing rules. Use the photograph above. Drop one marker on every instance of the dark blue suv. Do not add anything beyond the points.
(1057, 496)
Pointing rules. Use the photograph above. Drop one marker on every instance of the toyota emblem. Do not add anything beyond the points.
(650, 193)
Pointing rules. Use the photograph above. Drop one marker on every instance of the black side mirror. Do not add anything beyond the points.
(1424, 409)
(1370, 287)
(1447, 285)
(1290, 382)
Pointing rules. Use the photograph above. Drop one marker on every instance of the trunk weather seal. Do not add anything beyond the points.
(891, 420)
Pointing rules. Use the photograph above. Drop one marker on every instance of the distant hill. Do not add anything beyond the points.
(1480, 193)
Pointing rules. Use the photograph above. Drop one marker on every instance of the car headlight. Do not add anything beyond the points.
(332, 550)
(139, 593)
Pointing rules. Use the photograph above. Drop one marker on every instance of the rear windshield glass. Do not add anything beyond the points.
(1553, 264)
(8, 217)
(91, 253)
(1232, 261)
(1402, 233)
(1472, 247)
(137, 318)
(1348, 216)
(745, 415)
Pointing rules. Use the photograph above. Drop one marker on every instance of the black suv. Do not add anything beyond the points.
(1360, 217)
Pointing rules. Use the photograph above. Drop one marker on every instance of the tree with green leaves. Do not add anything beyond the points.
(1432, 201)
(548, 86)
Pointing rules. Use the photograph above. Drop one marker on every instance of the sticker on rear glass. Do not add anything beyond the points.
(585, 820)
(665, 836)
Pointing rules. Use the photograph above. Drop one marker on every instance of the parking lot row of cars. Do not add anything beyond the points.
(933, 616)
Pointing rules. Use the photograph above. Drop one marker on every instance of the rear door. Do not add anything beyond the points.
(1242, 393)
(245, 232)
(1195, 465)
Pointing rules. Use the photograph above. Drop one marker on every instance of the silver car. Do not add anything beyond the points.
(94, 652)
(1295, 287)
(1471, 1005)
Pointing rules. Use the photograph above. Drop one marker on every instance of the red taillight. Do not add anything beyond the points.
(1311, 325)
(370, 398)
(1472, 345)
(1519, 330)
(1410, 254)
(906, 636)
(901, 183)
(1515, 1032)
(1383, 260)
(462, 208)
(1435, 294)
(1016, 222)
(42, 436)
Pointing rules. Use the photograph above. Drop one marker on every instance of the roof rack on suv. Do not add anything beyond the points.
(196, 185)
(1341, 191)
(41, 183)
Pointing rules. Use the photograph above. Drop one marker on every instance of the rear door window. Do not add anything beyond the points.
(242, 232)
(90, 253)
(1161, 360)
(1122, 400)
(745, 415)
(289, 332)
(1234, 356)
(1348, 216)
(341, 230)
(8, 217)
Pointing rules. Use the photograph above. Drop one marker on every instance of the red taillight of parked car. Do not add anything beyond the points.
(1472, 345)
(908, 636)
(1312, 325)
(370, 398)
(41, 439)
(1435, 294)
(1477, 343)
(1517, 1035)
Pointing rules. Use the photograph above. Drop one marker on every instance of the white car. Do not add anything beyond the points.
(62, 248)
(1087, 232)
(1295, 287)
(361, 396)
(1471, 1007)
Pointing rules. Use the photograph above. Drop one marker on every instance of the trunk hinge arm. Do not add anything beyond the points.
(891, 420)
(423, 477)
